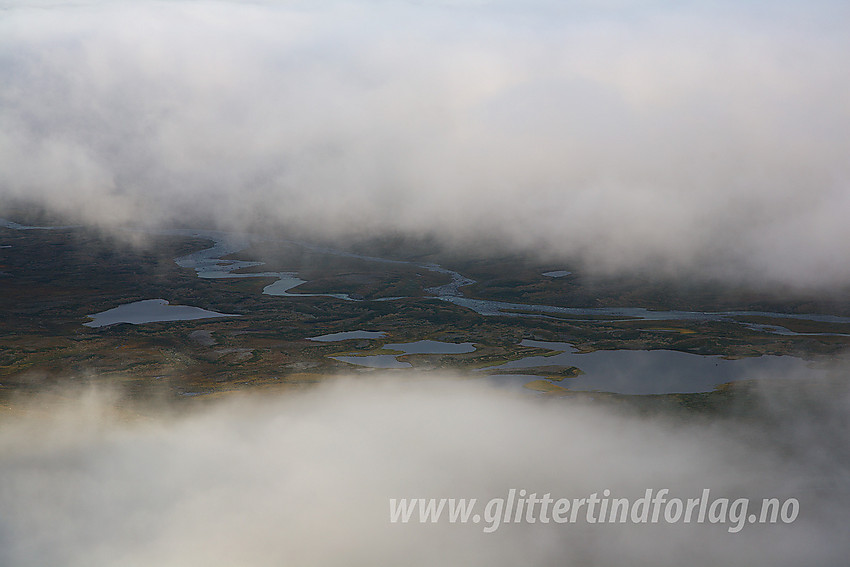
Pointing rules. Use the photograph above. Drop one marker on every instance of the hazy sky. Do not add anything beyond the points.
(688, 137)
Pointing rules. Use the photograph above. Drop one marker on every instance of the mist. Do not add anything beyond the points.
(305, 479)
(680, 138)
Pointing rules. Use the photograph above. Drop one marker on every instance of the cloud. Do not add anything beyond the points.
(692, 139)
(305, 478)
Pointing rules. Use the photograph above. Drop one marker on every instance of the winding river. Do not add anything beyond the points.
(209, 263)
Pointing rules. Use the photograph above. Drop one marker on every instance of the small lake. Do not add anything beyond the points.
(650, 371)
(418, 347)
(347, 335)
(557, 274)
(432, 347)
(151, 311)
(375, 361)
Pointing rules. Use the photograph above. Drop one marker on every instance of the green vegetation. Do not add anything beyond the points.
(52, 280)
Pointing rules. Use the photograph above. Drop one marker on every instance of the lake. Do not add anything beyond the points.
(651, 371)
(347, 335)
(150, 311)
(418, 347)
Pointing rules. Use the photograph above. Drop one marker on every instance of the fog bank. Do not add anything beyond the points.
(685, 138)
(305, 479)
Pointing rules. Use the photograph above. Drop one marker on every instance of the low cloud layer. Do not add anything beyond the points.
(684, 138)
(305, 479)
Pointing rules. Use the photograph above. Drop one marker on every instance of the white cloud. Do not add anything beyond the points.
(305, 479)
(711, 140)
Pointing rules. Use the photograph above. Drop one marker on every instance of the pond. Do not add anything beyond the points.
(150, 311)
(418, 347)
(650, 371)
(346, 335)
